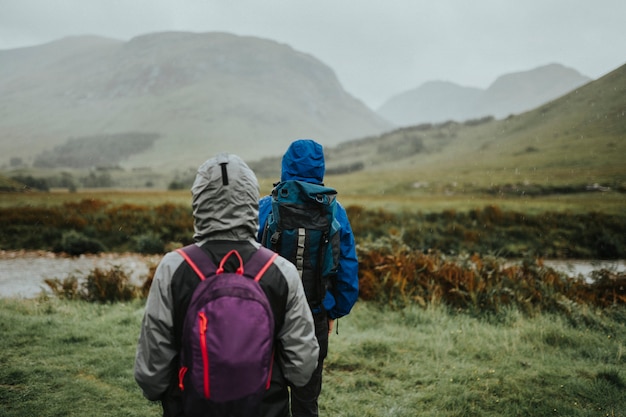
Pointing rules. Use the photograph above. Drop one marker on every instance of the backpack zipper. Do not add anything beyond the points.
(269, 376)
(181, 377)
(205, 354)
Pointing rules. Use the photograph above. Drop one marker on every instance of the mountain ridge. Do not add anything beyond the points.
(578, 138)
(509, 94)
(199, 92)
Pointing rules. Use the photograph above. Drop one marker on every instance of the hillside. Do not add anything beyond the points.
(578, 140)
(198, 93)
(7, 184)
(438, 101)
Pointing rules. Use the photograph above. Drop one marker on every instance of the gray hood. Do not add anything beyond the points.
(225, 200)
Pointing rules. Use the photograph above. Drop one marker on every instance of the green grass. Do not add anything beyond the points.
(350, 194)
(69, 359)
(115, 196)
(63, 358)
(609, 203)
(430, 362)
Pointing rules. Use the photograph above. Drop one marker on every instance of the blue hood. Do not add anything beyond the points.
(304, 161)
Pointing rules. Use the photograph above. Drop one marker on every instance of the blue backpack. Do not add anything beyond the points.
(228, 334)
(302, 228)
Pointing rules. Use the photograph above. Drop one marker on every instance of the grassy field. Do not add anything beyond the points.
(63, 358)
(400, 200)
(57, 197)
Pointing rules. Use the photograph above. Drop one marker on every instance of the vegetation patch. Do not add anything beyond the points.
(92, 225)
(396, 276)
(96, 151)
(493, 231)
(98, 286)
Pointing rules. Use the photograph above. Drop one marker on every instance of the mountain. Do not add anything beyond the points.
(438, 101)
(196, 93)
(575, 140)
(521, 91)
(434, 101)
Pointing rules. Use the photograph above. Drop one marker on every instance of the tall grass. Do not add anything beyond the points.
(72, 358)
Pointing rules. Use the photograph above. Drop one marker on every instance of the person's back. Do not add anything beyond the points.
(304, 161)
(225, 196)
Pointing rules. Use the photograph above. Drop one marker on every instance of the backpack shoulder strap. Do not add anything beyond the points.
(259, 263)
(198, 259)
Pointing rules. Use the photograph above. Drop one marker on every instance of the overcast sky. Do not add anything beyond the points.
(377, 48)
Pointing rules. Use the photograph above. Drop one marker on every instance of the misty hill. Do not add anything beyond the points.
(198, 94)
(439, 101)
(577, 139)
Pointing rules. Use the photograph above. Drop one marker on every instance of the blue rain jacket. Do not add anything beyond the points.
(304, 161)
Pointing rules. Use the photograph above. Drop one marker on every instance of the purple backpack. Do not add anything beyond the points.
(228, 334)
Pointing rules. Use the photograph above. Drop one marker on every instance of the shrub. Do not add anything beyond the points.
(147, 283)
(32, 182)
(95, 181)
(393, 274)
(67, 289)
(108, 286)
(75, 243)
(99, 286)
(149, 243)
(176, 185)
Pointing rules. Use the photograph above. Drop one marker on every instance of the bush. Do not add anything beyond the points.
(32, 182)
(392, 274)
(109, 286)
(149, 243)
(99, 286)
(66, 289)
(176, 185)
(75, 243)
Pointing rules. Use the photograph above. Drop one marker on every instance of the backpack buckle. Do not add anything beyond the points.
(274, 238)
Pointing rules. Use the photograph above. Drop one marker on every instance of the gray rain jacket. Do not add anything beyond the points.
(225, 208)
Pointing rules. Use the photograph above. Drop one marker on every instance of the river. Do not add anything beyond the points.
(585, 268)
(22, 273)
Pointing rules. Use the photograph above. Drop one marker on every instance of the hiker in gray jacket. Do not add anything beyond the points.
(225, 198)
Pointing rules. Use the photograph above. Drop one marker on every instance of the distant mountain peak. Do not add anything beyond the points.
(438, 101)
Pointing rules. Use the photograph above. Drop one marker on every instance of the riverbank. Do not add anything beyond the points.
(22, 273)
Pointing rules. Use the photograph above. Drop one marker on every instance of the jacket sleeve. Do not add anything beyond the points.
(344, 292)
(300, 348)
(154, 359)
(265, 206)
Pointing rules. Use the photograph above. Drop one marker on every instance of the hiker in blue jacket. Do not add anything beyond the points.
(304, 161)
